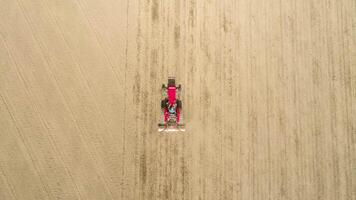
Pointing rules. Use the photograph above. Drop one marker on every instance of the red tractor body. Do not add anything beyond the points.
(171, 107)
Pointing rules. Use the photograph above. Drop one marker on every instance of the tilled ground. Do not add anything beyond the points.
(269, 97)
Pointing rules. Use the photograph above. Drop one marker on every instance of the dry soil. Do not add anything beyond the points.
(269, 97)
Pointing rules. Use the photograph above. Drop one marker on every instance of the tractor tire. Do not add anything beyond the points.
(179, 104)
(164, 103)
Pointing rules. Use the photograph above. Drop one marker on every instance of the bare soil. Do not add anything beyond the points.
(269, 97)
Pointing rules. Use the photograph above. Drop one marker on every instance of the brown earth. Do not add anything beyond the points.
(269, 99)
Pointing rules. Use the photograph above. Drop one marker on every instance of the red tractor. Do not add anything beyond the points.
(171, 106)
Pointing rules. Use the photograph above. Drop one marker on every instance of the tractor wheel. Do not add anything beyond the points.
(179, 104)
(164, 103)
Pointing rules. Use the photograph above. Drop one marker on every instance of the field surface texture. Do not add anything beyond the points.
(269, 99)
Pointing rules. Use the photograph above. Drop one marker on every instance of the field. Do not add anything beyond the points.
(269, 98)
